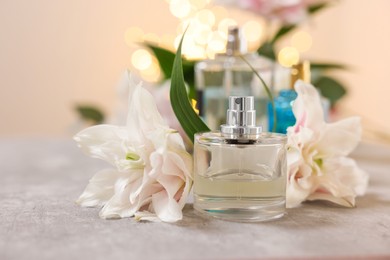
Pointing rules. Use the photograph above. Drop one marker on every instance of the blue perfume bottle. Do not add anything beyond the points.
(284, 114)
(283, 103)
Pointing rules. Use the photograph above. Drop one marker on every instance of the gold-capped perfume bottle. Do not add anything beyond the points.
(240, 172)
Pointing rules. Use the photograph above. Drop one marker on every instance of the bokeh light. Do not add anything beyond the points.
(288, 56)
(141, 59)
(206, 17)
(219, 12)
(302, 41)
(203, 35)
(177, 41)
(198, 4)
(207, 29)
(167, 41)
(224, 25)
(252, 31)
(133, 35)
(217, 42)
(180, 8)
(153, 72)
(151, 38)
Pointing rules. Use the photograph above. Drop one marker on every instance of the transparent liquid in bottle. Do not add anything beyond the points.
(240, 181)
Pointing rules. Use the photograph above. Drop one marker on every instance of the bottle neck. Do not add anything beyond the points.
(300, 71)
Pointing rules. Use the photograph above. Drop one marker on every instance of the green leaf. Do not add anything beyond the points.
(90, 113)
(282, 31)
(267, 90)
(330, 88)
(181, 105)
(317, 7)
(164, 57)
(327, 66)
(267, 50)
(189, 78)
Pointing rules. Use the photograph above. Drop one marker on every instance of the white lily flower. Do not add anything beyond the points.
(153, 175)
(318, 168)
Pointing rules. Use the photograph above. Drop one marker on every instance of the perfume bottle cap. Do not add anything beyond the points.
(300, 71)
(241, 118)
(235, 44)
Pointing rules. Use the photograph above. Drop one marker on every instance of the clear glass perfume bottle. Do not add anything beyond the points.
(240, 172)
(228, 75)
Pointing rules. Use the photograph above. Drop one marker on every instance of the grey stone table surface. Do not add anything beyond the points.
(41, 178)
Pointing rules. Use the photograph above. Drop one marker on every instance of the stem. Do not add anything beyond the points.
(267, 90)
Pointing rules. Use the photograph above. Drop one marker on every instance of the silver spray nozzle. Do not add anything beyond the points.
(241, 117)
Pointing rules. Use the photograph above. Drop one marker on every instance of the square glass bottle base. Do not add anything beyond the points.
(241, 210)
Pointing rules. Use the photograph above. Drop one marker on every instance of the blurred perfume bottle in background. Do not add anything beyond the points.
(284, 101)
(228, 75)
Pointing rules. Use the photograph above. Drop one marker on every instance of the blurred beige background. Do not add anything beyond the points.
(55, 54)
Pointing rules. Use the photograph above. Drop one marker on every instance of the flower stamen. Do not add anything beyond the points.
(132, 157)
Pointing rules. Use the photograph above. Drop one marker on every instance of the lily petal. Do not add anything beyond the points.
(147, 216)
(108, 142)
(342, 183)
(307, 107)
(143, 117)
(119, 206)
(321, 170)
(100, 188)
(340, 138)
(173, 175)
(295, 193)
(165, 203)
(154, 169)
